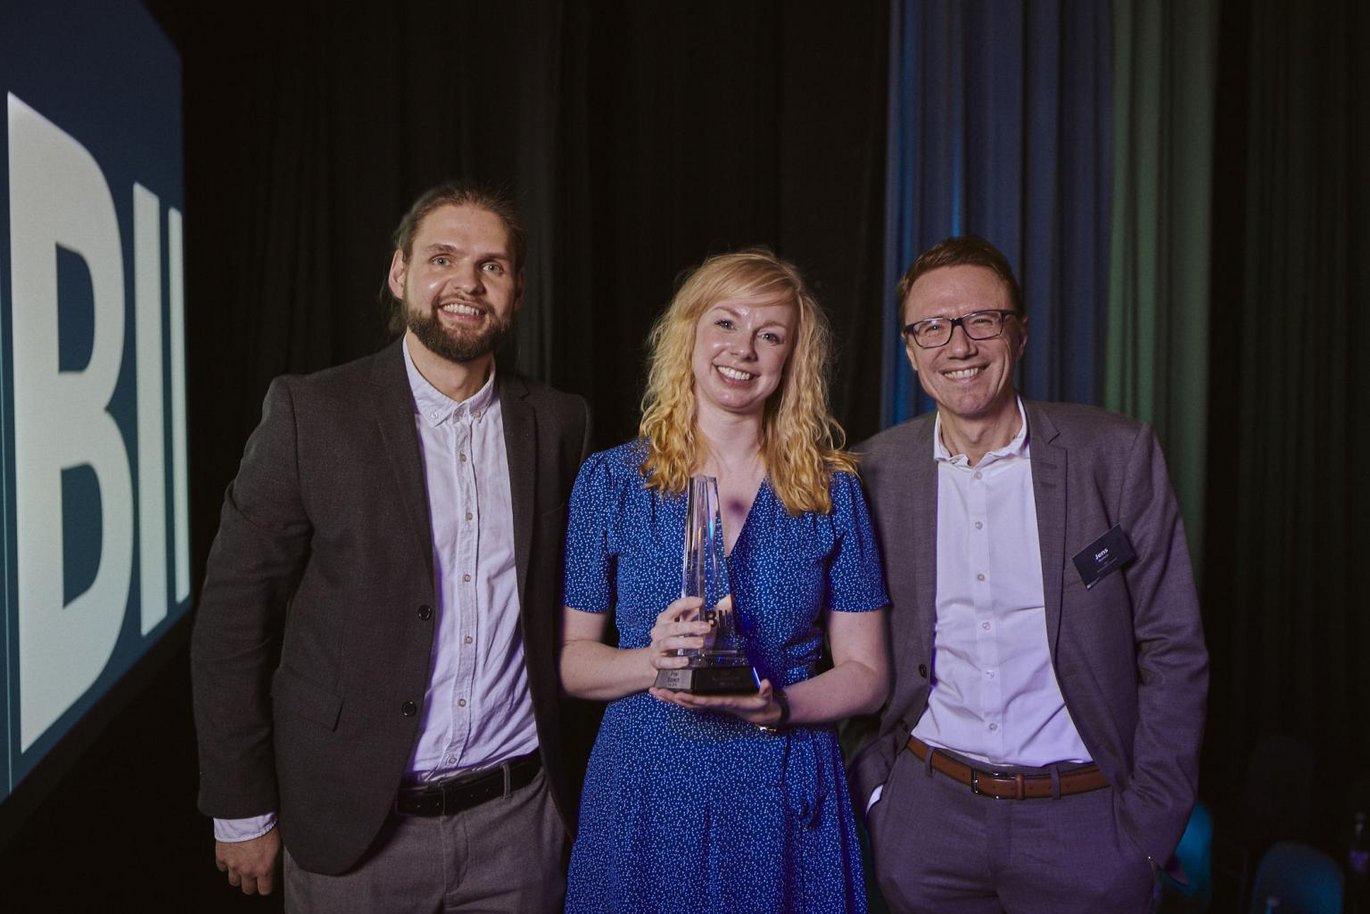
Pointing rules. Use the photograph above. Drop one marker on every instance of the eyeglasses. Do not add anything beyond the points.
(936, 331)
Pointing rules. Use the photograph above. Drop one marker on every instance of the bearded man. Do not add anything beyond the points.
(375, 651)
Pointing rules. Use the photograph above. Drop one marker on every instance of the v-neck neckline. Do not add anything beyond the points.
(747, 520)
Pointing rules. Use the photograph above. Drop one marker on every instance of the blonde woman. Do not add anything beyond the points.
(725, 803)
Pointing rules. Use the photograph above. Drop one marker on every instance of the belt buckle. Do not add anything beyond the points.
(1019, 782)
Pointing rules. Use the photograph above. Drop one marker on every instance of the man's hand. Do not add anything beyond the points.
(251, 865)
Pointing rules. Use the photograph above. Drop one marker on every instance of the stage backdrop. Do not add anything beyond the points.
(93, 512)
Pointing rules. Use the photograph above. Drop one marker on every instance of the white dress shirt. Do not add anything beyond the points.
(477, 711)
(994, 693)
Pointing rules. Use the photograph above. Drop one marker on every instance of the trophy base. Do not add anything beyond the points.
(710, 680)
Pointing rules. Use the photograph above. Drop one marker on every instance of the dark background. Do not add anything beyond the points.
(640, 137)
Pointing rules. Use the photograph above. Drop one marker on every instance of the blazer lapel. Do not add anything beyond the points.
(914, 522)
(1049, 494)
(520, 444)
(394, 404)
(923, 504)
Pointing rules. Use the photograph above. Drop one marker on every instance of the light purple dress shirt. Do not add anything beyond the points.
(477, 711)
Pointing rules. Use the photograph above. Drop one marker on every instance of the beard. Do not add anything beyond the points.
(455, 346)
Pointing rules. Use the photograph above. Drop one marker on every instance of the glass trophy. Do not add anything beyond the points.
(721, 666)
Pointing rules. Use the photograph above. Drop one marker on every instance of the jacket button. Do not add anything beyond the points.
(409, 709)
(923, 670)
(425, 612)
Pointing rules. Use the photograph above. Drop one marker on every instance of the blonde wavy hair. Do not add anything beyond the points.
(801, 443)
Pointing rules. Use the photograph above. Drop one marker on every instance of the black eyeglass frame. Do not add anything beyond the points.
(910, 330)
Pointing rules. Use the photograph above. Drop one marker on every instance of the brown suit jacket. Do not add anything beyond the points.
(1129, 653)
(312, 644)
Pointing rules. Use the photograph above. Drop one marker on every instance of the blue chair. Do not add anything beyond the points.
(1195, 854)
(1303, 878)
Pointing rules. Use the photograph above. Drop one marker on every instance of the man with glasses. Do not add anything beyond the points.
(1040, 748)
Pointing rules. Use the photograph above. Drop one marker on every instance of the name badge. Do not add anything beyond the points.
(1105, 555)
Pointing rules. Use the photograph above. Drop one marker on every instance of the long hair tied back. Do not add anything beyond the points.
(801, 442)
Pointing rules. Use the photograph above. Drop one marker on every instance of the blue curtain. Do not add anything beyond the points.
(1000, 124)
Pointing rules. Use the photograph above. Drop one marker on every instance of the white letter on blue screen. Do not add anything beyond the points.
(58, 196)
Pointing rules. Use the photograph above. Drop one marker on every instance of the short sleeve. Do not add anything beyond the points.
(856, 582)
(588, 576)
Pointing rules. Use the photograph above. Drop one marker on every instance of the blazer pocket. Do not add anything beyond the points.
(292, 694)
(1073, 584)
(1106, 589)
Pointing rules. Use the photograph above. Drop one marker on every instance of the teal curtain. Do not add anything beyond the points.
(1156, 357)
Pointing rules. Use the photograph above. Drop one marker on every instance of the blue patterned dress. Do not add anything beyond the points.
(689, 811)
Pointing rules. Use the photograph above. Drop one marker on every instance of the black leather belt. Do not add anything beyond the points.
(455, 794)
(1008, 785)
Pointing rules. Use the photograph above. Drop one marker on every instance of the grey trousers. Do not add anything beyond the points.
(940, 849)
(506, 855)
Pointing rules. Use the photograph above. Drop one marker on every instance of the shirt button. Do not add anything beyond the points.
(985, 626)
(467, 639)
(462, 456)
(993, 727)
(409, 709)
(978, 525)
(451, 760)
(468, 515)
(425, 612)
(461, 702)
(466, 578)
(979, 577)
(979, 475)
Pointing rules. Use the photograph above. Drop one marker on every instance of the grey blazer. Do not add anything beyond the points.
(1129, 653)
(312, 645)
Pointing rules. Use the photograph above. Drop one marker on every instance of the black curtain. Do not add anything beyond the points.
(639, 137)
(1288, 619)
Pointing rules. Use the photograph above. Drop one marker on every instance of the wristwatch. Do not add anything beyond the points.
(778, 696)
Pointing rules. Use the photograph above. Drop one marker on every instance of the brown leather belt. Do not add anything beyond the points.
(1006, 785)
(462, 792)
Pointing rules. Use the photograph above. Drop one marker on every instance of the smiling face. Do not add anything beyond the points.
(740, 350)
(460, 287)
(971, 380)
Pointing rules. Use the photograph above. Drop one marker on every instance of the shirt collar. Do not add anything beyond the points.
(1017, 447)
(435, 406)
